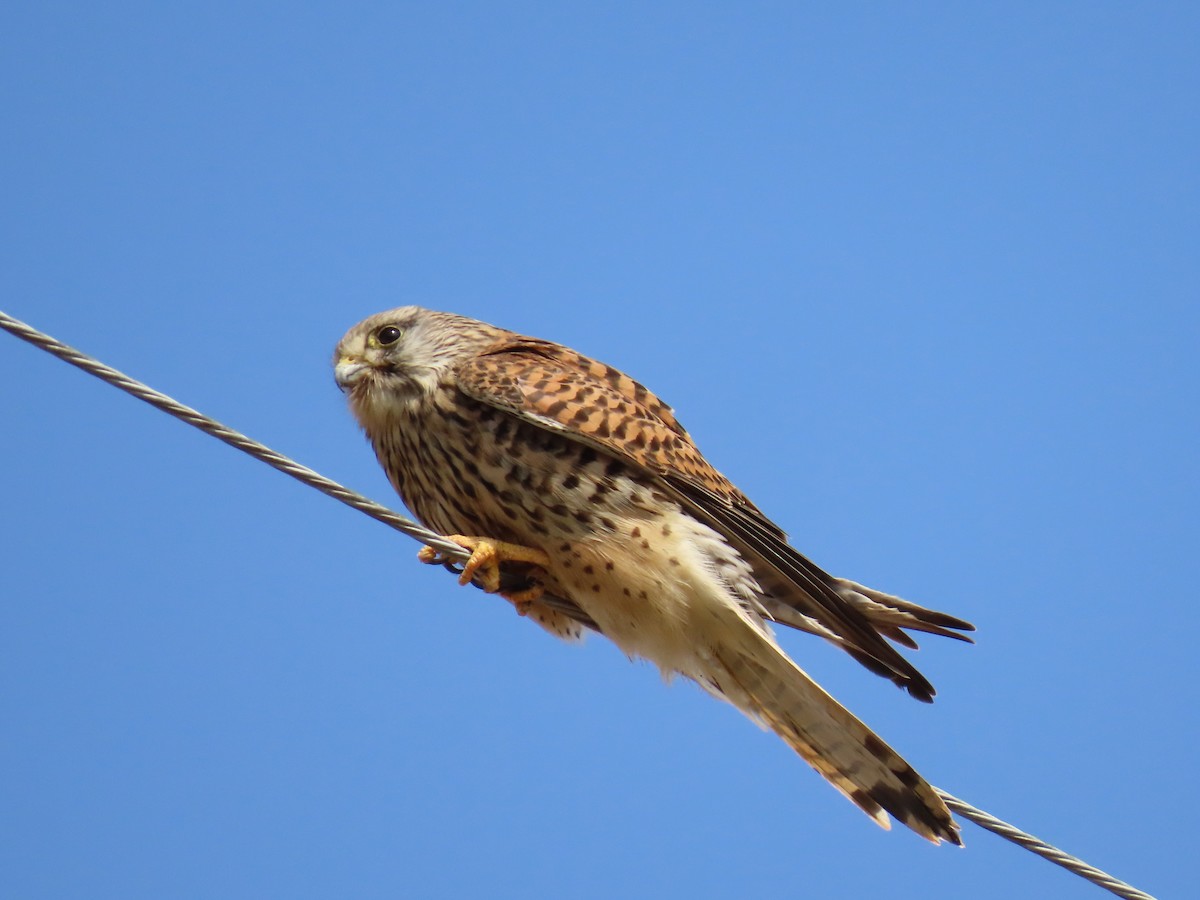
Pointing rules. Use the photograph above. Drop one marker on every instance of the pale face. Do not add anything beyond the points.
(390, 360)
(396, 358)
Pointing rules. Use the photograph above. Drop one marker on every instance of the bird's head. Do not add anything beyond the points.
(397, 357)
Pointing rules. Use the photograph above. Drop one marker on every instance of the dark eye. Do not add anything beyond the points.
(388, 334)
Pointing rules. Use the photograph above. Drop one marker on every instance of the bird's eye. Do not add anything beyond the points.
(388, 334)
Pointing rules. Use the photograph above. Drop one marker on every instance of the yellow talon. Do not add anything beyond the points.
(430, 556)
(524, 599)
(487, 555)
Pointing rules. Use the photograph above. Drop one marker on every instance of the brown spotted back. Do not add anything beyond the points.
(595, 403)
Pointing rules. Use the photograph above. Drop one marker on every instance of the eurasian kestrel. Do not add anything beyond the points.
(586, 503)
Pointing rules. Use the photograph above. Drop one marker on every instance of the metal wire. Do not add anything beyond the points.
(261, 452)
(1036, 845)
(454, 552)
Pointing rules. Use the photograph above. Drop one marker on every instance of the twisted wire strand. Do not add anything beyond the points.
(453, 551)
(261, 452)
(1046, 851)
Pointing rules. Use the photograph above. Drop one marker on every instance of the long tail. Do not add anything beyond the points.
(765, 684)
(888, 614)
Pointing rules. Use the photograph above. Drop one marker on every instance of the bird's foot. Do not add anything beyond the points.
(483, 568)
(524, 598)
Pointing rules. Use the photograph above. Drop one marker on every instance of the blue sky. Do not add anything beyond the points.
(923, 279)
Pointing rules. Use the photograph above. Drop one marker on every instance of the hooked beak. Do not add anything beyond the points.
(349, 371)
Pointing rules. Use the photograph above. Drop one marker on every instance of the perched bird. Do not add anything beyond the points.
(585, 503)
